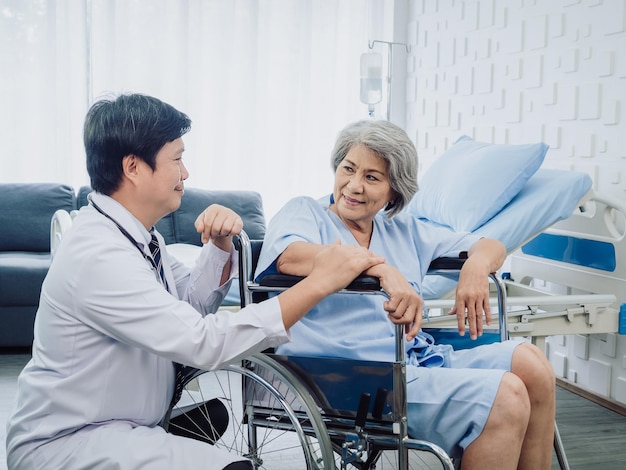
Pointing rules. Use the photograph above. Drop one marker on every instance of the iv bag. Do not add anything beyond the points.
(371, 78)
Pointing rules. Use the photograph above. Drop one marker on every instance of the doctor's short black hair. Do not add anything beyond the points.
(129, 124)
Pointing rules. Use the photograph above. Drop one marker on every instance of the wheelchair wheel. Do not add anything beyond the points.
(381, 453)
(388, 460)
(257, 410)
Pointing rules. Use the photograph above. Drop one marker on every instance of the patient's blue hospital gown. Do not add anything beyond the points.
(358, 327)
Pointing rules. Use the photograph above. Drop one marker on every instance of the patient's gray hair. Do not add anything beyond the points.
(389, 142)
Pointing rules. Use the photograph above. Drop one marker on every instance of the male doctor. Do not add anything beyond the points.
(114, 315)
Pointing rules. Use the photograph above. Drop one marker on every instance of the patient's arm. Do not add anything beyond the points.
(297, 259)
(472, 292)
(404, 306)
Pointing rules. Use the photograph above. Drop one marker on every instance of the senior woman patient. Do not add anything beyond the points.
(495, 403)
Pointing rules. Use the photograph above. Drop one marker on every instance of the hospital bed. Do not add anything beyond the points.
(566, 271)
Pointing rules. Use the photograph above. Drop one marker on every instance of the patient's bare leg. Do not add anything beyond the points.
(500, 444)
(533, 368)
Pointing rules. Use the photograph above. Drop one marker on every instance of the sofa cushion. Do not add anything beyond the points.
(21, 276)
(25, 213)
(178, 227)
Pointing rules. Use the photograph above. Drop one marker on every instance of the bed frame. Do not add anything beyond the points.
(570, 279)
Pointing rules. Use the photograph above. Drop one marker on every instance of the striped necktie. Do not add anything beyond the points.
(183, 373)
(155, 250)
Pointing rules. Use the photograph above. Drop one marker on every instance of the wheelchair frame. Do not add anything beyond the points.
(328, 437)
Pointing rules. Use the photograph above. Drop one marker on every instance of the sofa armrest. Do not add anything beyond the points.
(26, 210)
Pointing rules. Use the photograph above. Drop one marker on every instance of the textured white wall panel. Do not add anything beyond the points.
(620, 389)
(559, 364)
(590, 100)
(537, 32)
(567, 96)
(600, 377)
(556, 24)
(611, 110)
(520, 71)
(509, 64)
(533, 71)
(616, 16)
(483, 76)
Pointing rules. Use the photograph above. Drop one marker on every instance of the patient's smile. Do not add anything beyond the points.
(349, 200)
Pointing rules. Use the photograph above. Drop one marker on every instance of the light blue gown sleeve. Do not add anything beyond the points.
(301, 219)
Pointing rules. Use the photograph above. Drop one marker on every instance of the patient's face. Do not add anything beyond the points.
(362, 187)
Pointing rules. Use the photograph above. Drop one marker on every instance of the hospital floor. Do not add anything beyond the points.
(594, 437)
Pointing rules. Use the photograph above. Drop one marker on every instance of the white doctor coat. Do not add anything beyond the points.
(106, 335)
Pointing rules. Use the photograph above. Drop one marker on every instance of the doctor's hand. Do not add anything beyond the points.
(472, 299)
(335, 265)
(219, 224)
(405, 306)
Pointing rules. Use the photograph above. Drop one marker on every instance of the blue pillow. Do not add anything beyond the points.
(471, 181)
(549, 196)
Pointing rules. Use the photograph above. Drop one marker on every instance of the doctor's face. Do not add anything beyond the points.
(163, 188)
(362, 186)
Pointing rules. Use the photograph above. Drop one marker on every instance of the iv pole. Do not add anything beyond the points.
(390, 45)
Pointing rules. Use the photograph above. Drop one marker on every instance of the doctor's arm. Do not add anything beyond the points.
(331, 268)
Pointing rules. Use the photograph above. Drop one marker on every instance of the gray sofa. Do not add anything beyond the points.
(25, 214)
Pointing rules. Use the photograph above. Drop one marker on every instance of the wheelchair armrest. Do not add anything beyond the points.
(448, 263)
(361, 283)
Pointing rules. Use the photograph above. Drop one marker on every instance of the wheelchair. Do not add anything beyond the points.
(313, 413)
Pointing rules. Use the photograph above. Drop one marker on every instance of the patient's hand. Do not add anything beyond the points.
(405, 306)
(219, 224)
(472, 299)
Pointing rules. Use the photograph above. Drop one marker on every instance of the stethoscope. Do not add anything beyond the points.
(131, 239)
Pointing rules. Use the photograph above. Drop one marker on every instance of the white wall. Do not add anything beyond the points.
(521, 71)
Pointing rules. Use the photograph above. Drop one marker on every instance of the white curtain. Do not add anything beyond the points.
(267, 84)
(43, 91)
